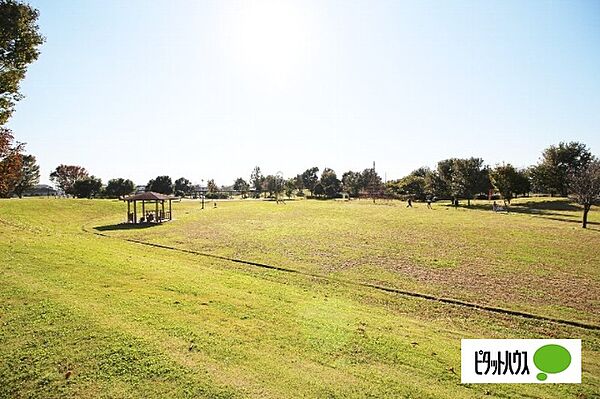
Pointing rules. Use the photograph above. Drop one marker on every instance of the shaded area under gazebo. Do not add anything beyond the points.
(152, 207)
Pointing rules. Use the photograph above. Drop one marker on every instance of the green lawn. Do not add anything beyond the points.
(126, 320)
(540, 261)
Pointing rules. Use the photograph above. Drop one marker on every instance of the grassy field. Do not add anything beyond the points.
(537, 261)
(84, 315)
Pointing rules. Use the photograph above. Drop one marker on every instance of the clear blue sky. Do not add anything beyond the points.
(209, 89)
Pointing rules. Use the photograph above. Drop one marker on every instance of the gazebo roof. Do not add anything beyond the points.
(148, 196)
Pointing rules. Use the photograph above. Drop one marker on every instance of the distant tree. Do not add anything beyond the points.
(30, 175)
(421, 172)
(469, 177)
(310, 179)
(279, 187)
(11, 162)
(523, 182)
(330, 182)
(551, 173)
(434, 185)
(412, 185)
(161, 184)
(299, 184)
(19, 42)
(290, 186)
(352, 183)
(543, 180)
(87, 187)
(268, 182)
(242, 186)
(419, 184)
(211, 186)
(118, 187)
(371, 183)
(585, 186)
(505, 179)
(445, 168)
(391, 188)
(273, 185)
(183, 187)
(65, 177)
(318, 189)
(256, 180)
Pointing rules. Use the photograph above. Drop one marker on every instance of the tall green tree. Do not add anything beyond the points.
(445, 170)
(412, 185)
(352, 183)
(183, 187)
(242, 186)
(11, 161)
(299, 184)
(318, 189)
(505, 179)
(19, 43)
(30, 175)
(279, 186)
(371, 183)
(523, 182)
(273, 185)
(469, 177)
(310, 179)
(419, 184)
(550, 175)
(256, 180)
(290, 186)
(212, 186)
(161, 184)
(434, 185)
(421, 172)
(118, 187)
(87, 187)
(65, 177)
(331, 184)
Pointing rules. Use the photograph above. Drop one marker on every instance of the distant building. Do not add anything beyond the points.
(139, 189)
(40, 190)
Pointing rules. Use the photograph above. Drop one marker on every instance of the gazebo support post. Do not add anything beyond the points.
(162, 212)
(135, 219)
(144, 210)
(170, 211)
(128, 212)
(156, 214)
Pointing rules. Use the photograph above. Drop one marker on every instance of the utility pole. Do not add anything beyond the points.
(201, 192)
(373, 183)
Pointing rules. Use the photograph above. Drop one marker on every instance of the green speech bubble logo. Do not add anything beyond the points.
(551, 359)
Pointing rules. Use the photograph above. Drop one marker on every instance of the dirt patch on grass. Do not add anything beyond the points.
(485, 286)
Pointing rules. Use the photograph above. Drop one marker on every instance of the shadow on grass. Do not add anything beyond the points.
(550, 205)
(578, 221)
(125, 226)
(550, 209)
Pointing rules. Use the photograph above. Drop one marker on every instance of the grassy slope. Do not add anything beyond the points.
(134, 321)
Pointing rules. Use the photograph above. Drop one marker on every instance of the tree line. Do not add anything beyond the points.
(564, 169)
(453, 178)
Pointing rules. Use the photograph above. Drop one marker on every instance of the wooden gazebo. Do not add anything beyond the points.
(153, 207)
